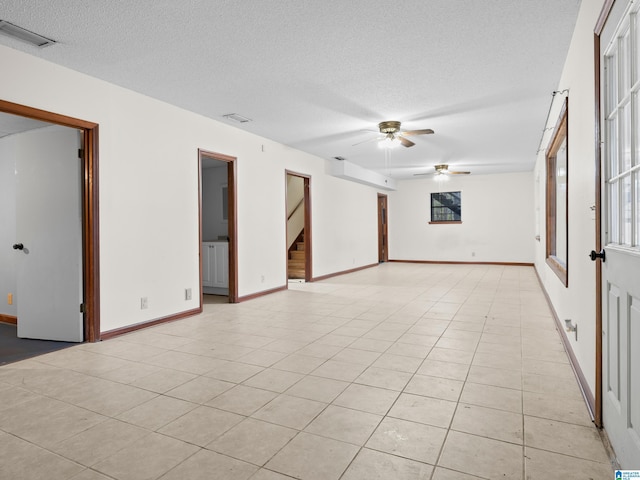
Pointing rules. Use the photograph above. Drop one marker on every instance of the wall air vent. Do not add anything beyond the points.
(236, 118)
(24, 35)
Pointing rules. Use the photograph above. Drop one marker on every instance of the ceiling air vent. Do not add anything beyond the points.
(24, 35)
(236, 118)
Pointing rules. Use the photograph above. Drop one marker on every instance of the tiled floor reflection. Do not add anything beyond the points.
(399, 372)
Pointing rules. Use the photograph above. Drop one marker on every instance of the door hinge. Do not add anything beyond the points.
(83, 308)
(80, 153)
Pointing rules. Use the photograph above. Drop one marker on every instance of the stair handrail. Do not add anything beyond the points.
(296, 209)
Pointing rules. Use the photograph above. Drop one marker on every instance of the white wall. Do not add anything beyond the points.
(8, 256)
(577, 301)
(149, 243)
(346, 212)
(213, 224)
(497, 220)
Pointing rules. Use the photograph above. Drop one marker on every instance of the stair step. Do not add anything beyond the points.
(297, 254)
(296, 273)
(296, 263)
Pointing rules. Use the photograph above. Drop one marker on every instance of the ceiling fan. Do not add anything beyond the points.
(392, 135)
(443, 169)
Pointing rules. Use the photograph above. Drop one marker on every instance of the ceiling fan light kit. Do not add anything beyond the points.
(389, 142)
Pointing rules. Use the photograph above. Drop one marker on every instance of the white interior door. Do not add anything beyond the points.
(620, 43)
(49, 234)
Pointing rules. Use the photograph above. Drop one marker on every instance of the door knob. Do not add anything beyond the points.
(18, 246)
(593, 255)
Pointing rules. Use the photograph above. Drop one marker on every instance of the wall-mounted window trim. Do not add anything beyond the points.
(557, 162)
(446, 207)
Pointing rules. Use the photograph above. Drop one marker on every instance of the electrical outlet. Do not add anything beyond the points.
(144, 303)
(187, 294)
(9, 298)
(261, 278)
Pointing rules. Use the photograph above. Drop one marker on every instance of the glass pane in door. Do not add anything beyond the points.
(612, 149)
(636, 240)
(613, 213)
(611, 95)
(624, 64)
(624, 130)
(635, 100)
(636, 46)
(626, 210)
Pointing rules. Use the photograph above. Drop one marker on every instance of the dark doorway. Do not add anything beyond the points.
(383, 250)
(218, 248)
(298, 226)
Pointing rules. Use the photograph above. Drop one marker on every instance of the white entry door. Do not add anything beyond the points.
(620, 44)
(49, 234)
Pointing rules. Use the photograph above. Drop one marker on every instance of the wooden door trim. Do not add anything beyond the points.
(308, 237)
(90, 208)
(383, 229)
(602, 19)
(232, 219)
(308, 265)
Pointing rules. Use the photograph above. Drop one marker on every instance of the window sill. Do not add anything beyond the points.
(446, 223)
(559, 269)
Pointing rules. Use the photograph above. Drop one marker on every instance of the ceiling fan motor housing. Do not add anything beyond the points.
(389, 127)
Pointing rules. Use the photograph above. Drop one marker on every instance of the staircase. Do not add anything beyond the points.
(296, 262)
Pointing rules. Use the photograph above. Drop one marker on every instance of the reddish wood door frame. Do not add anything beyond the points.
(90, 210)
(232, 219)
(597, 57)
(383, 241)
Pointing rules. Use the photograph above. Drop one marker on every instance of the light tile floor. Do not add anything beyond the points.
(399, 372)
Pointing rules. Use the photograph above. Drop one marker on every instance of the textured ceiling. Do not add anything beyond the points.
(320, 75)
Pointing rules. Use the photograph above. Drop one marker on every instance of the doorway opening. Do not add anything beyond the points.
(383, 250)
(82, 177)
(218, 228)
(298, 227)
